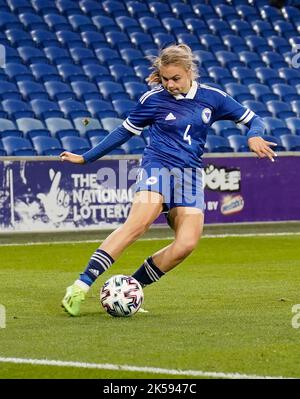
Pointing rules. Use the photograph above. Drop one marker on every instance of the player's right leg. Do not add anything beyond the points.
(146, 207)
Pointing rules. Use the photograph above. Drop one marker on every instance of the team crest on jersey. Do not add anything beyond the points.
(206, 115)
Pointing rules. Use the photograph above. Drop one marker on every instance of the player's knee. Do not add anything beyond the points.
(186, 248)
(137, 230)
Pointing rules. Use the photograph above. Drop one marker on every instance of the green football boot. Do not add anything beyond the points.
(73, 299)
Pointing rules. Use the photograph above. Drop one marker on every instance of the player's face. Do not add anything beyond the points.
(175, 79)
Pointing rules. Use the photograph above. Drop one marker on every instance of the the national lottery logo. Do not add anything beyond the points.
(206, 115)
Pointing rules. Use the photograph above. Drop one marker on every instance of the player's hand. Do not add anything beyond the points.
(262, 148)
(70, 157)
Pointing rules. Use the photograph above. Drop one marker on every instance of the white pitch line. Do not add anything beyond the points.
(125, 367)
(151, 239)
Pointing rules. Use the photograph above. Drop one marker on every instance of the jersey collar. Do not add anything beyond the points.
(190, 94)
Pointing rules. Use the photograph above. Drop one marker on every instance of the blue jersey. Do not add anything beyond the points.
(178, 124)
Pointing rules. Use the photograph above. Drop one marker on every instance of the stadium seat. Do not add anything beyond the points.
(238, 142)
(212, 43)
(17, 109)
(7, 124)
(173, 25)
(9, 21)
(163, 39)
(45, 109)
(280, 109)
(141, 40)
(83, 56)
(19, 37)
(31, 55)
(191, 40)
(205, 58)
(218, 27)
(31, 90)
(220, 127)
(77, 145)
(47, 146)
(135, 89)
(128, 24)
(123, 107)
(250, 59)
(273, 139)
(69, 39)
(228, 59)
(110, 124)
(97, 73)
(285, 92)
(270, 13)
(81, 23)
(91, 8)
(122, 73)
(293, 124)
(37, 133)
(217, 144)
(247, 12)
(100, 108)
(58, 90)
(57, 55)
(262, 92)
(238, 91)
(9, 90)
(104, 23)
(17, 146)
(32, 21)
(195, 25)
(159, 8)
(291, 76)
(235, 43)
(273, 60)
(267, 76)
(242, 28)
(137, 9)
(117, 40)
(86, 125)
(71, 73)
(107, 56)
(279, 44)
(44, 7)
(244, 75)
(73, 109)
(57, 124)
(296, 107)
(284, 28)
(142, 71)
(258, 107)
(262, 28)
(44, 38)
(113, 8)
(93, 40)
(29, 124)
(67, 8)
(220, 75)
(257, 44)
(86, 91)
(111, 90)
(17, 72)
(290, 142)
(150, 25)
(272, 123)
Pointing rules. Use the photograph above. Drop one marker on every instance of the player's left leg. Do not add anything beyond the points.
(188, 225)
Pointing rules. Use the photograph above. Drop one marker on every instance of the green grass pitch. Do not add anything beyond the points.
(227, 308)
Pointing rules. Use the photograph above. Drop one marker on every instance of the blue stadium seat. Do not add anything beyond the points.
(7, 124)
(83, 56)
(91, 8)
(279, 44)
(58, 90)
(181, 9)
(122, 73)
(96, 73)
(135, 89)
(17, 109)
(133, 57)
(204, 11)
(251, 59)
(150, 25)
(73, 109)
(9, 21)
(44, 38)
(86, 125)
(244, 75)
(31, 90)
(110, 124)
(163, 39)
(272, 123)
(293, 124)
(104, 23)
(93, 40)
(67, 133)
(220, 75)
(31, 55)
(235, 43)
(173, 25)
(45, 73)
(273, 60)
(258, 107)
(191, 40)
(247, 12)
(280, 109)
(291, 76)
(29, 124)
(219, 27)
(262, 28)
(19, 37)
(77, 145)
(239, 143)
(296, 107)
(49, 146)
(45, 109)
(212, 43)
(9, 90)
(273, 139)
(107, 56)
(57, 22)
(44, 7)
(16, 72)
(100, 108)
(86, 91)
(290, 142)
(159, 8)
(69, 39)
(267, 76)
(228, 59)
(56, 124)
(128, 24)
(123, 107)
(242, 28)
(205, 58)
(262, 92)
(81, 23)
(111, 90)
(57, 55)
(195, 25)
(135, 145)
(17, 146)
(270, 13)
(31, 21)
(285, 92)
(221, 127)
(142, 71)
(11, 133)
(217, 144)
(68, 7)
(239, 91)
(257, 44)
(113, 8)
(226, 12)
(284, 28)
(137, 9)
(141, 40)
(117, 40)
(71, 73)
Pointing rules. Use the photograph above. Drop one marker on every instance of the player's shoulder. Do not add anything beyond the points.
(211, 91)
(152, 95)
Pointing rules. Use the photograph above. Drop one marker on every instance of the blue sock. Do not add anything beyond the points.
(100, 261)
(148, 273)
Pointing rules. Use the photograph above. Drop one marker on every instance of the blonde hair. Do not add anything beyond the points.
(176, 54)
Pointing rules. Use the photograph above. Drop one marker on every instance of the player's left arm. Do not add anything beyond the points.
(230, 109)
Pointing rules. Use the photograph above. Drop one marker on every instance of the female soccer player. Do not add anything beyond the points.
(178, 111)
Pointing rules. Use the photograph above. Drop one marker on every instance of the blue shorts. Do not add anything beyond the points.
(178, 186)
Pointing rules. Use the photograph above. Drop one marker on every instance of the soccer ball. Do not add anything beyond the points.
(121, 296)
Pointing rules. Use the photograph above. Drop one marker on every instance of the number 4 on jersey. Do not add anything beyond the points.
(186, 136)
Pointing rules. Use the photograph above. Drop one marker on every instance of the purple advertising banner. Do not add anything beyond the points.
(44, 195)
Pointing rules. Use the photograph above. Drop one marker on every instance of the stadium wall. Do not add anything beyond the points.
(45, 194)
